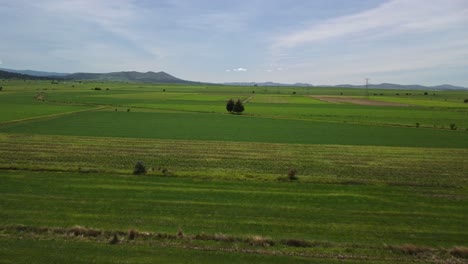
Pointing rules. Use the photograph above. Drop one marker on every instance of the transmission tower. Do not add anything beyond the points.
(367, 87)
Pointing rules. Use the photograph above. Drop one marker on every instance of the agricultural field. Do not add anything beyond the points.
(303, 175)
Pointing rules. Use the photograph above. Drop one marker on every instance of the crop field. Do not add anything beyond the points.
(293, 179)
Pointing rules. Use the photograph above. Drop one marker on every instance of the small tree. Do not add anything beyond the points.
(140, 168)
(230, 105)
(238, 107)
(1, 88)
(465, 101)
(453, 126)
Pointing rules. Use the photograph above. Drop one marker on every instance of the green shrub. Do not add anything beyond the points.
(292, 174)
(140, 168)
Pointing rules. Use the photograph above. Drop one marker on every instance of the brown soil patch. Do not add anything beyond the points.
(352, 100)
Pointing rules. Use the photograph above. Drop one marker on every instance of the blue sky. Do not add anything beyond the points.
(313, 41)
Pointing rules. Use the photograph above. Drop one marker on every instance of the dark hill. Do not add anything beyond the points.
(12, 75)
(128, 76)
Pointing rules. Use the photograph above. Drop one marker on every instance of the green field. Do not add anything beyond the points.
(375, 184)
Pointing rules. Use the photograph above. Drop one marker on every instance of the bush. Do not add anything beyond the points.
(453, 126)
(1, 88)
(97, 88)
(292, 174)
(140, 168)
(294, 92)
(417, 124)
(132, 234)
(465, 101)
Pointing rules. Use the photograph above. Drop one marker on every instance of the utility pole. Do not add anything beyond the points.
(367, 87)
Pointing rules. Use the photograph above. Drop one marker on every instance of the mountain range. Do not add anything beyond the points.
(162, 77)
(371, 86)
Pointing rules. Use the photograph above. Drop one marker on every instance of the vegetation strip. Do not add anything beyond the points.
(314, 163)
(136, 237)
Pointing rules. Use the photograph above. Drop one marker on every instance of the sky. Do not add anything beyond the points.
(288, 41)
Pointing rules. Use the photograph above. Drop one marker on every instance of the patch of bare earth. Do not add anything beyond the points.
(352, 100)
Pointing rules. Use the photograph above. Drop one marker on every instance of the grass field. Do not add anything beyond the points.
(375, 184)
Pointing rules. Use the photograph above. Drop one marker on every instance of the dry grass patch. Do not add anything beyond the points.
(459, 252)
(83, 231)
(260, 241)
(410, 249)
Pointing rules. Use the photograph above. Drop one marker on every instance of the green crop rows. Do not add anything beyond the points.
(375, 184)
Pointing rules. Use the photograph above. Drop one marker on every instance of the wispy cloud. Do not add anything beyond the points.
(237, 70)
(397, 36)
(393, 17)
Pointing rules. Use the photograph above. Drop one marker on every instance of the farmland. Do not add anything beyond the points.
(376, 184)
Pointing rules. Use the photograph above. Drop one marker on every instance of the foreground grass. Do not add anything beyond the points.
(281, 210)
(76, 251)
(356, 222)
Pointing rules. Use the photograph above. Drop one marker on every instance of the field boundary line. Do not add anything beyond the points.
(248, 99)
(51, 115)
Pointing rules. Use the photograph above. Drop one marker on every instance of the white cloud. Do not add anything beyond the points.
(239, 70)
(393, 17)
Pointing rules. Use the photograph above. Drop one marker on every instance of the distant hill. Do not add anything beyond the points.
(123, 76)
(267, 84)
(128, 76)
(12, 75)
(35, 73)
(162, 77)
(404, 87)
(371, 86)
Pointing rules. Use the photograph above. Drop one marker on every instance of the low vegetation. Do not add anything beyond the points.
(296, 178)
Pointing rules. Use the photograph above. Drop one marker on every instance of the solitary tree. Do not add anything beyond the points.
(238, 107)
(230, 105)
